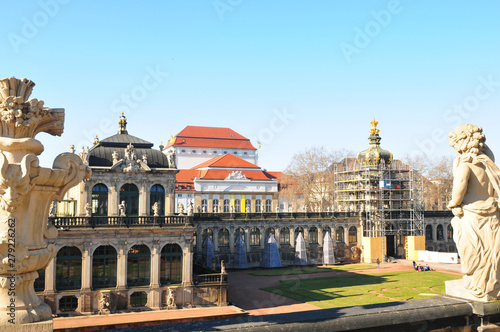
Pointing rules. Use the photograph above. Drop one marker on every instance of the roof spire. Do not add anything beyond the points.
(122, 122)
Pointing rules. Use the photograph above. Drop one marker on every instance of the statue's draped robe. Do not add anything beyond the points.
(477, 235)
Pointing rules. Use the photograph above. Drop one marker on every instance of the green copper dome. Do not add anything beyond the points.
(374, 155)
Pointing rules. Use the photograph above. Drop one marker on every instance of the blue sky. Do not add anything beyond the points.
(290, 74)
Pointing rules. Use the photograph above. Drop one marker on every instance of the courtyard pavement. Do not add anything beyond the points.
(244, 293)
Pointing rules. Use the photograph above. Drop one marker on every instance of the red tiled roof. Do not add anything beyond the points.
(213, 174)
(210, 137)
(227, 161)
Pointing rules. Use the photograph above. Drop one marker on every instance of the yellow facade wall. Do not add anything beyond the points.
(372, 249)
(414, 244)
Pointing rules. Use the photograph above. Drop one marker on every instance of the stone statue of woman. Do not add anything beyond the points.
(476, 215)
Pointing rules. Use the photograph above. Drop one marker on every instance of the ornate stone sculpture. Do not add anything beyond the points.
(476, 223)
(88, 210)
(122, 207)
(26, 191)
(171, 159)
(156, 209)
(190, 208)
(171, 299)
(180, 207)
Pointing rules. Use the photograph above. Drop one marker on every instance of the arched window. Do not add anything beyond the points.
(237, 232)
(268, 205)
(204, 205)
(130, 195)
(270, 230)
(226, 205)
(215, 206)
(171, 264)
(299, 230)
(440, 233)
(353, 234)
(207, 232)
(258, 205)
(285, 236)
(157, 195)
(255, 237)
(69, 268)
(104, 267)
(340, 234)
(138, 265)
(99, 200)
(313, 235)
(223, 238)
(237, 206)
(450, 232)
(428, 233)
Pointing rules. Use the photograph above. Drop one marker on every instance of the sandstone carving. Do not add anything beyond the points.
(26, 192)
(476, 219)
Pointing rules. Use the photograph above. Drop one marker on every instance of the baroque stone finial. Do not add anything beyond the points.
(26, 193)
(23, 118)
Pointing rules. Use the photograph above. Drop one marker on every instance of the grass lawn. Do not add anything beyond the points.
(307, 270)
(364, 289)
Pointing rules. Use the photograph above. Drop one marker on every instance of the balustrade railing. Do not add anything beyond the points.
(214, 278)
(128, 221)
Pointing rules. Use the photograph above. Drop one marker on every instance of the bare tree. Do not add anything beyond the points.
(437, 179)
(309, 179)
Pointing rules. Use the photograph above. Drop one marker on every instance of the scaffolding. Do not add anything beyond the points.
(390, 198)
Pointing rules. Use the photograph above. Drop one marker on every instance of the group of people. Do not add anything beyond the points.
(418, 267)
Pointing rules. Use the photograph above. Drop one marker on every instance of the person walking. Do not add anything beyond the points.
(378, 263)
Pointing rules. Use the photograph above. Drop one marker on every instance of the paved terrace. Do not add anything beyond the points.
(255, 308)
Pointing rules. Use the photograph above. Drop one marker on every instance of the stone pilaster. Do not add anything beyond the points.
(121, 280)
(50, 277)
(187, 266)
(155, 267)
(113, 198)
(86, 270)
(143, 199)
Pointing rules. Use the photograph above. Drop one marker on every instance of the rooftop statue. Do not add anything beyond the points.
(476, 215)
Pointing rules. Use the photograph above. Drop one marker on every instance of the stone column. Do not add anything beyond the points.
(216, 239)
(187, 266)
(277, 236)
(50, 277)
(154, 300)
(306, 236)
(247, 239)
(113, 198)
(320, 236)
(143, 200)
(85, 197)
(262, 237)
(346, 235)
(170, 197)
(86, 270)
(121, 280)
(155, 266)
(232, 239)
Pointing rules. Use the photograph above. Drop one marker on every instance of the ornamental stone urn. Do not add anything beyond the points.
(26, 192)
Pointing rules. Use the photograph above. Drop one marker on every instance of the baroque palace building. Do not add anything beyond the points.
(133, 236)
(120, 246)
